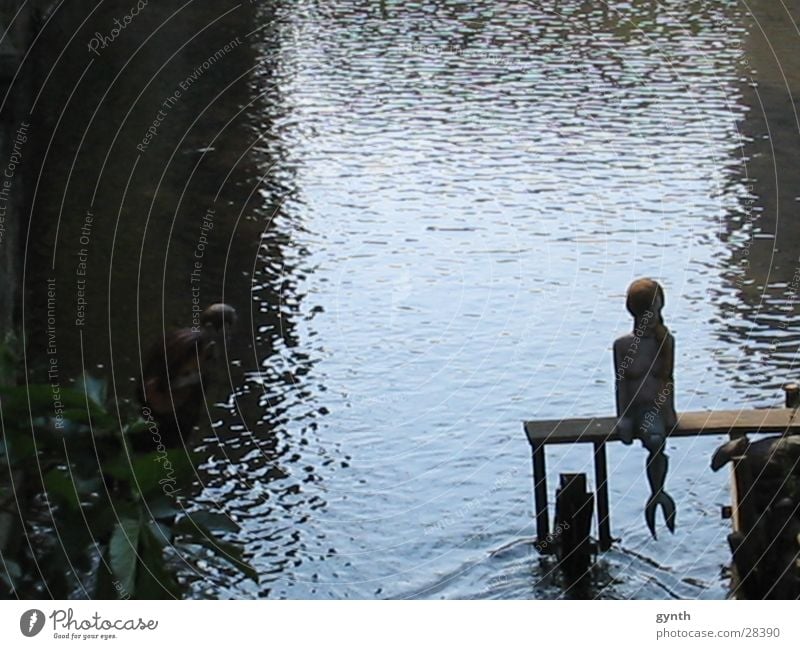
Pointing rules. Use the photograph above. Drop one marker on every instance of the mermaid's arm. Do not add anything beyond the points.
(620, 379)
(624, 426)
(670, 416)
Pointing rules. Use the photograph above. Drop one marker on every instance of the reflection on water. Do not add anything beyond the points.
(758, 299)
(428, 214)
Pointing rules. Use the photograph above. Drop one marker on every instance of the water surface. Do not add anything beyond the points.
(429, 216)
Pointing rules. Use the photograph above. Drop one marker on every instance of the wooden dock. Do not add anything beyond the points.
(598, 431)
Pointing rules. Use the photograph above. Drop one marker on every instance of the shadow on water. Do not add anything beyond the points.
(157, 193)
(758, 302)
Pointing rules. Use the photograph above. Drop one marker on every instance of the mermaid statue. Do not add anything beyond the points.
(643, 362)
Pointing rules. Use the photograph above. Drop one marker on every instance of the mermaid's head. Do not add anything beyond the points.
(645, 296)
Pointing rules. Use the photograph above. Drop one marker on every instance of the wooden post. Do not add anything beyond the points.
(601, 489)
(571, 535)
(540, 494)
(792, 391)
(747, 541)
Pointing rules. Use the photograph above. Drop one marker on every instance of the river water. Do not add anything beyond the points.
(427, 214)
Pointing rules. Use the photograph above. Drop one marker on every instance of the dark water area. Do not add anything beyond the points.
(427, 215)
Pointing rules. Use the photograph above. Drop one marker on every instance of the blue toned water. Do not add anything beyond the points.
(427, 214)
(464, 198)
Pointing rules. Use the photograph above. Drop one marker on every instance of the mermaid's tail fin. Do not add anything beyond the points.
(650, 517)
(667, 507)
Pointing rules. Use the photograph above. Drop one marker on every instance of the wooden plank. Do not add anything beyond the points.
(690, 424)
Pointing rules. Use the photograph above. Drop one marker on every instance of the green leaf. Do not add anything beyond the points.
(153, 471)
(10, 572)
(16, 402)
(99, 421)
(95, 389)
(199, 534)
(60, 488)
(102, 517)
(161, 533)
(104, 587)
(123, 552)
(213, 522)
(13, 569)
(18, 447)
(8, 358)
(162, 508)
(155, 580)
(136, 427)
(40, 398)
(68, 488)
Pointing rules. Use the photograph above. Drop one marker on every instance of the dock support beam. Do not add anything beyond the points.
(540, 495)
(573, 526)
(599, 431)
(601, 489)
(792, 391)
